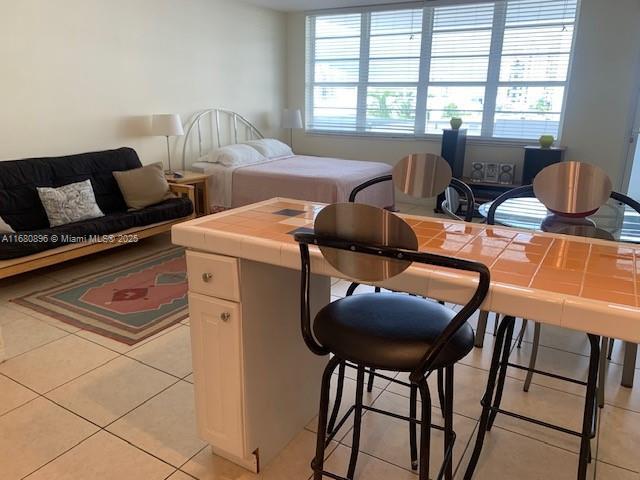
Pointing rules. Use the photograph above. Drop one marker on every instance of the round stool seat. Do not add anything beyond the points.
(389, 331)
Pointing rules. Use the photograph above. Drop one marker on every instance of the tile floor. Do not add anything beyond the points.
(74, 405)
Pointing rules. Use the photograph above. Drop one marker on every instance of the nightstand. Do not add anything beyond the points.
(199, 182)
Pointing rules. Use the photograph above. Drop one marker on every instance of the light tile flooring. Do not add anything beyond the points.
(74, 405)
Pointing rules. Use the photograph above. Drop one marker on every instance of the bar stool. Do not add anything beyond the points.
(550, 187)
(384, 330)
(421, 176)
(572, 190)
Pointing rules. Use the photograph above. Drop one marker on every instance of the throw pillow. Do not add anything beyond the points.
(5, 227)
(70, 203)
(271, 148)
(234, 156)
(142, 187)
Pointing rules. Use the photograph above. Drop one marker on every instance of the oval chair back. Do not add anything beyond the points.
(370, 244)
(425, 175)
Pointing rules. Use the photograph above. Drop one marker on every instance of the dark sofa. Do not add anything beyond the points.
(21, 208)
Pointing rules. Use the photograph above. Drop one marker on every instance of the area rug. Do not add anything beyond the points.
(128, 302)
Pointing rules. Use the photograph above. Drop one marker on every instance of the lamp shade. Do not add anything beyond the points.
(166, 125)
(292, 118)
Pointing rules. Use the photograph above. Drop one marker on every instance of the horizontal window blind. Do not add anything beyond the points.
(501, 65)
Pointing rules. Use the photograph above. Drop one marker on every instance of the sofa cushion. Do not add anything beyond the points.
(115, 222)
(70, 203)
(143, 187)
(20, 205)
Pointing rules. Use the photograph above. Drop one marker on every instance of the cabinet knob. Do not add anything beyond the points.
(225, 316)
(206, 277)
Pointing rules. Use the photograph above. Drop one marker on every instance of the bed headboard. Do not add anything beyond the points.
(214, 128)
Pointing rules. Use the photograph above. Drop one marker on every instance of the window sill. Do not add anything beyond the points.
(471, 140)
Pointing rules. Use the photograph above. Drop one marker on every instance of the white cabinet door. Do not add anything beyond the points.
(217, 368)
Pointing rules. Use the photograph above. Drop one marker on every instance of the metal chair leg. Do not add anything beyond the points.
(487, 398)
(441, 390)
(523, 330)
(372, 376)
(413, 427)
(448, 422)
(590, 412)
(338, 400)
(317, 464)
(357, 424)
(506, 352)
(610, 348)
(425, 430)
(496, 320)
(481, 329)
(351, 289)
(602, 373)
(534, 357)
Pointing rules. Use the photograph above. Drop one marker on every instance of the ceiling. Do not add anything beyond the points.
(303, 5)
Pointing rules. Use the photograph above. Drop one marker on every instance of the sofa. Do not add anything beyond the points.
(36, 244)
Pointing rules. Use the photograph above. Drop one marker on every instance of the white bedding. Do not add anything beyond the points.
(319, 179)
(220, 181)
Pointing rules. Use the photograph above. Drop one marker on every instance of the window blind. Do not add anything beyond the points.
(501, 65)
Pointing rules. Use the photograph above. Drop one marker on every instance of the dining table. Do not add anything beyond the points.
(614, 221)
(257, 385)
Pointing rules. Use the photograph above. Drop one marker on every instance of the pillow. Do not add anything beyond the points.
(70, 203)
(271, 148)
(5, 227)
(235, 156)
(143, 186)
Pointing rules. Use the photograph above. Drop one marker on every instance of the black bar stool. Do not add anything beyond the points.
(569, 189)
(384, 330)
(553, 196)
(423, 175)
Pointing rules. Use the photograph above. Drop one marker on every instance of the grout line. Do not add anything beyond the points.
(6, 360)
(100, 429)
(137, 345)
(61, 454)
(471, 441)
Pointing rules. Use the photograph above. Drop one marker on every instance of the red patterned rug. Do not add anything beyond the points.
(128, 303)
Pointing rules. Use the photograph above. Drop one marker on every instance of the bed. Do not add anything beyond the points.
(302, 177)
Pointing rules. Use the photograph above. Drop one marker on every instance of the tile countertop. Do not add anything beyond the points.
(575, 282)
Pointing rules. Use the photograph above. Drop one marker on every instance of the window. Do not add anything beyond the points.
(500, 65)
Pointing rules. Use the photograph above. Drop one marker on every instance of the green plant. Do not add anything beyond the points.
(542, 105)
(451, 110)
(392, 104)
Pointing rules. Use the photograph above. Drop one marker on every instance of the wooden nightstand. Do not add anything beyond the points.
(199, 182)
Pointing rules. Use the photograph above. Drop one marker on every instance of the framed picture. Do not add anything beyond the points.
(491, 172)
(477, 171)
(507, 175)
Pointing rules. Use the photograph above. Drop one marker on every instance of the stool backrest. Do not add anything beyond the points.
(426, 175)
(572, 188)
(422, 175)
(390, 250)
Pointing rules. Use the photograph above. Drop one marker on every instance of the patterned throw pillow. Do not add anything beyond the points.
(71, 203)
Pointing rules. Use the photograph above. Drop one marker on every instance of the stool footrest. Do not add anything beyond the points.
(547, 374)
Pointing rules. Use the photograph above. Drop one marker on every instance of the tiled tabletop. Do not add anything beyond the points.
(581, 269)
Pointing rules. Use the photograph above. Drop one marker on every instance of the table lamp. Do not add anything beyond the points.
(291, 118)
(167, 125)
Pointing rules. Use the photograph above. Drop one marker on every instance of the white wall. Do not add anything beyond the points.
(602, 84)
(81, 75)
